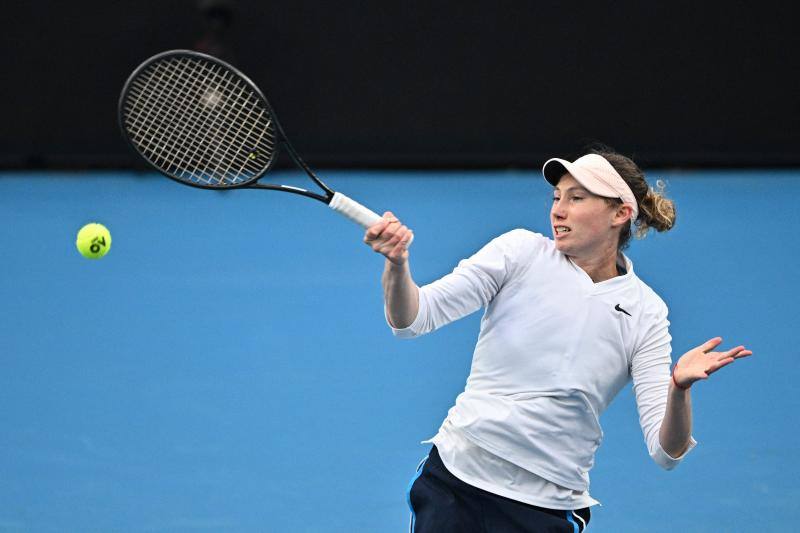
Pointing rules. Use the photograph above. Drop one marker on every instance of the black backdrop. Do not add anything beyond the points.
(427, 84)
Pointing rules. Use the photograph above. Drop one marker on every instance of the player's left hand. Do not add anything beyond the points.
(699, 363)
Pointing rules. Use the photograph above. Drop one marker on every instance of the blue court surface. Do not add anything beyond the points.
(227, 367)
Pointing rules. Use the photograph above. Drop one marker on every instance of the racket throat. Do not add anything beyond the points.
(294, 190)
(302, 164)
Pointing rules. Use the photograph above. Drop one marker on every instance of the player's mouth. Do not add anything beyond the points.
(561, 231)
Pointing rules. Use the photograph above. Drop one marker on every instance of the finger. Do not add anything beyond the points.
(383, 230)
(392, 225)
(398, 236)
(723, 355)
(400, 251)
(736, 353)
(739, 352)
(375, 230)
(710, 344)
(405, 241)
(403, 236)
(389, 238)
(719, 364)
(386, 244)
(382, 243)
(388, 215)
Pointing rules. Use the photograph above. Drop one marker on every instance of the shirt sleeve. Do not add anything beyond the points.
(471, 285)
(650, 370)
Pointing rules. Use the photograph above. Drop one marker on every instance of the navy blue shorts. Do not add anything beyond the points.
(442, 503)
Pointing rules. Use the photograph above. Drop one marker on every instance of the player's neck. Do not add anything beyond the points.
(601, 266)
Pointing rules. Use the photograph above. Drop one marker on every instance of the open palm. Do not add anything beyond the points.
(699, 363)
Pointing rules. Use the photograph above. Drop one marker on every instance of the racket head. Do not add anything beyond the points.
(199, 120)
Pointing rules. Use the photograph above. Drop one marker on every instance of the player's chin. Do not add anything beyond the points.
(561, 246)
(569, 249)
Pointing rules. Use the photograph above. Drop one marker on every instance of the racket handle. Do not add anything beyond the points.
(353, 210)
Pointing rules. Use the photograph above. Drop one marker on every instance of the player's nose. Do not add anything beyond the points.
(558, 211)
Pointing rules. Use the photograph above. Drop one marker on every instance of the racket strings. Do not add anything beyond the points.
(157, 133)
(248, 122)
(210, 133)
(203, 144)
(212, 140)
(199, 122)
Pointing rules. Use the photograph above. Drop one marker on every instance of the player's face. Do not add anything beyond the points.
(581, 221)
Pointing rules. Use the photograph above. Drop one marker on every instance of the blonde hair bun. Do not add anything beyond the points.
(656, 211)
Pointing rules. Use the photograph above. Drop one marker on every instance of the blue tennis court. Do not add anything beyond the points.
(227, 366)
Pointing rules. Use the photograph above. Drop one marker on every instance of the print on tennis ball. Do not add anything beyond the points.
(97, 243)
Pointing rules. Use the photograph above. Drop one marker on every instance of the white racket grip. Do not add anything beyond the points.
(353, 210)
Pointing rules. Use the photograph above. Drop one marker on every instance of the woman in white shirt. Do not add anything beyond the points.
(567, 324)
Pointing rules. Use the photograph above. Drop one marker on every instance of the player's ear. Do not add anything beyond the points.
(623, 214)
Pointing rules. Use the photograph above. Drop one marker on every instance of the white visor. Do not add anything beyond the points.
(594, 172)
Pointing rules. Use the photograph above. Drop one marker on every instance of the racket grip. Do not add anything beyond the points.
(353, 210)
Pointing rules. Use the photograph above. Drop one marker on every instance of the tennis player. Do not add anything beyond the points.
(567, 324)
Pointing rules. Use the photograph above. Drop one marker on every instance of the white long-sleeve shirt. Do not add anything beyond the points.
(554, 349)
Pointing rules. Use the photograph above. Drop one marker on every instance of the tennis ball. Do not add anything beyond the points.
(94, 241)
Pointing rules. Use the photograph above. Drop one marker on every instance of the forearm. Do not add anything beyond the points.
(676, 428)
(400, 293)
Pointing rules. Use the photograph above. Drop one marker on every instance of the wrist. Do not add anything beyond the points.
(675, 381)
(396, 268)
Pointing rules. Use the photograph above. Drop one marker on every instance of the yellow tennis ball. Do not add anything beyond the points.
(94, 241)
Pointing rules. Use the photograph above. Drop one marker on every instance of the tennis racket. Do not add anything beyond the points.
(201, 122)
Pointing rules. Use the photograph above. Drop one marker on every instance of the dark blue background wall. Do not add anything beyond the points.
(427, 83)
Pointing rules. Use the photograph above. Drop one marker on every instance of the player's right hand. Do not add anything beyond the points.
(390, 238)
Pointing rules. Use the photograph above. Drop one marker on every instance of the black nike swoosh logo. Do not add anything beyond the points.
(618, 308)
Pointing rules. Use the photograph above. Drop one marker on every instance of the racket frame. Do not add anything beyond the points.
(281, 138)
